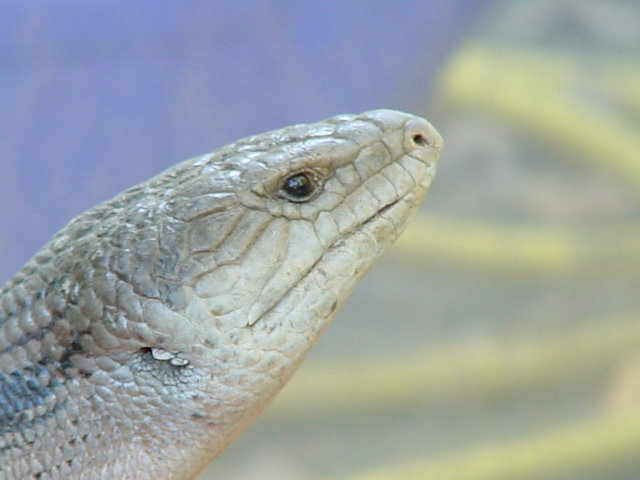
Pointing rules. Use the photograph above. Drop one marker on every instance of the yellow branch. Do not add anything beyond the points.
(473, 372)
(579, 448)
(522, 250)
(542, 94)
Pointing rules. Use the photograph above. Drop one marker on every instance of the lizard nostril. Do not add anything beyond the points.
(420, 140)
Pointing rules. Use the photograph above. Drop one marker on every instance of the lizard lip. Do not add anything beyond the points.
(419, 189)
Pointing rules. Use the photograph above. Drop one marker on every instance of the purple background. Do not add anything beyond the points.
(97, 96)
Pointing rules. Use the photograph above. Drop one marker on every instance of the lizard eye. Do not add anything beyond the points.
(300, 186)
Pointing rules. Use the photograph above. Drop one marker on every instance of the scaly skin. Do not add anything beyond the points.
(146, 335)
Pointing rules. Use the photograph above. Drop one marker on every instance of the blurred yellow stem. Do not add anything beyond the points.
(543, 94)
(476, 371)
(602, 443)
(521, 250)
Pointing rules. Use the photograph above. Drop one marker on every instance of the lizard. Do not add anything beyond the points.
(152, 329)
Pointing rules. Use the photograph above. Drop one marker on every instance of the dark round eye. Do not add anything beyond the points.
(300, 186)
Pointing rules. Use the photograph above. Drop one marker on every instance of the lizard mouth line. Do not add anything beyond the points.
(377, 214)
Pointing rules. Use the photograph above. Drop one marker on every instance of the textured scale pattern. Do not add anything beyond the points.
(145, 336)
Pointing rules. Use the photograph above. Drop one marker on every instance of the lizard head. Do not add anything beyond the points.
(278, 228)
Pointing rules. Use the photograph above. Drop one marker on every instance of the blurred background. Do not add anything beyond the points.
(499, 338)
